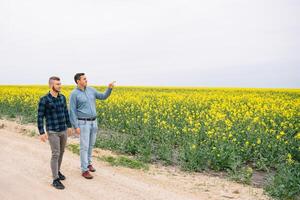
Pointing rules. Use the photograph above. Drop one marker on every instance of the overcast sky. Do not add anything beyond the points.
(220, 43)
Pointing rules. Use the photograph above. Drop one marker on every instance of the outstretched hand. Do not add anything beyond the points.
(112, 84)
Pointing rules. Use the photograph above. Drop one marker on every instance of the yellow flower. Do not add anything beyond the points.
(278, 137)
(249, 170)
(289, 158)
(297, 136)
(258, 141)
(256, 119)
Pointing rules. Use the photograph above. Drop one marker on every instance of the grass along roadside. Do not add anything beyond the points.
(116, 160)
(125, 162)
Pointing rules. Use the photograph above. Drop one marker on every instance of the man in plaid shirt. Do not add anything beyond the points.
(53, 108)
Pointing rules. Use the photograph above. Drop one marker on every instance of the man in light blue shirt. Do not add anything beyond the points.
(83, 118)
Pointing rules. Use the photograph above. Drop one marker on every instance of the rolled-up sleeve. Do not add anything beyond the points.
(73, 110)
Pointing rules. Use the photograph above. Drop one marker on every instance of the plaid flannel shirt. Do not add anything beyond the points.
(55, 111)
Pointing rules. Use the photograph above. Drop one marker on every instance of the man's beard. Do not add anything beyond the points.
(55, 90)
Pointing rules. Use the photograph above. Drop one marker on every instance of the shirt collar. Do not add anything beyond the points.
(80, 89)
(50, 95)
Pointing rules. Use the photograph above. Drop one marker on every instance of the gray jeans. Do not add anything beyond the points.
(57, 142)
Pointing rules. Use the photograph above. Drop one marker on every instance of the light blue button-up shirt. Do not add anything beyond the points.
(83, 103)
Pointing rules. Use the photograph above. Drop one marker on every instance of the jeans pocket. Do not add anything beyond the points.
(95, 126)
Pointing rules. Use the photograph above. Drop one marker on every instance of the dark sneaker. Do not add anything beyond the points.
(57, 184)
(87, 175)
(61, 176)
(91, 168)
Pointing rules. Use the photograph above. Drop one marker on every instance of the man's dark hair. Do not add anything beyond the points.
(77, 77)
(53, 78)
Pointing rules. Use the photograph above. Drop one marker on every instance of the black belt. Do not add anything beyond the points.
(87, 119)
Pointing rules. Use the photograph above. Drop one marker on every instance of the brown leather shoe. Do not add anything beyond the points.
(87, 175)
(91, 168)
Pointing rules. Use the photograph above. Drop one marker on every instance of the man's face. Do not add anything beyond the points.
(82, 81)
(55, 86)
